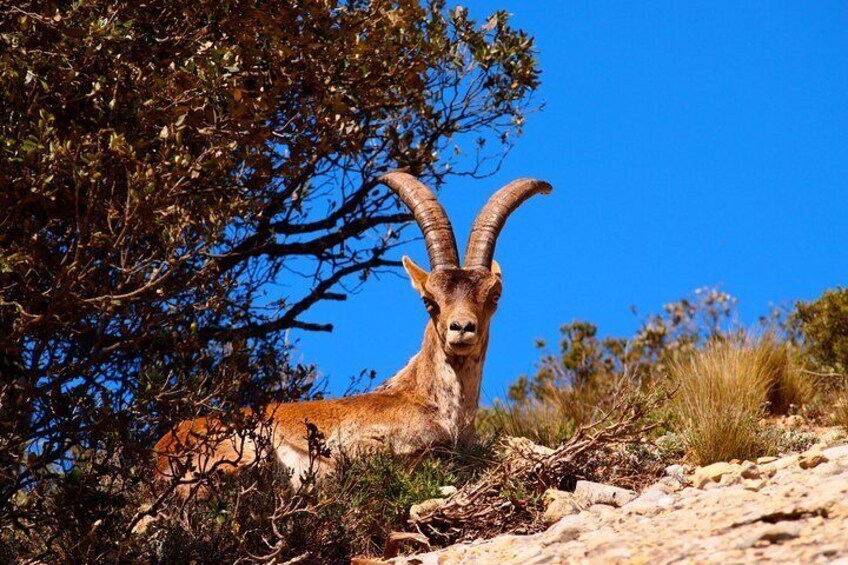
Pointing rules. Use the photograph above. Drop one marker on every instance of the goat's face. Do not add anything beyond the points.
(460, 303)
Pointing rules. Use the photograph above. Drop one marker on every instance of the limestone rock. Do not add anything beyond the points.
(676, 472)
(812, 458)
(839, 452)
(558, 504)
(768, 470)
(754, 484)
(749, 471)
(713, 473)
(785, 462)
(589, 493)
(773, 533)
(730, 479)
(647, 503)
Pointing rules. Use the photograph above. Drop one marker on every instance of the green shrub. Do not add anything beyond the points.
(348, 513)
(823, 324)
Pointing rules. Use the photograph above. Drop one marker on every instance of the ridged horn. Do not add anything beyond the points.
(430, 216)
(491, 219)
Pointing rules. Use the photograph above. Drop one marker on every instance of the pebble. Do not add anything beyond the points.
(812, 458)
(558, 504)
(713, 473)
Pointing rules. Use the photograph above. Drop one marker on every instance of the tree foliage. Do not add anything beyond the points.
(823, 325)
(168, 167)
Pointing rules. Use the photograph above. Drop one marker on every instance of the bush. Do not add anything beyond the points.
(254, 515)
(823, 325)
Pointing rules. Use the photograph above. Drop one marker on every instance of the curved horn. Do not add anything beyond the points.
(430, 216)
(491, 219)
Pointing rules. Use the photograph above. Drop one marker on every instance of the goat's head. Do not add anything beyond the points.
(460, 300)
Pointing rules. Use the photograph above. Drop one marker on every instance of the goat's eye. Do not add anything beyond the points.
(430, 305)
(495, 298)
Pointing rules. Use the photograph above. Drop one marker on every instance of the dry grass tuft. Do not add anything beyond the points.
(724, 391)
(788, 387)
(555, 414)
(840, 411)
(547, 422)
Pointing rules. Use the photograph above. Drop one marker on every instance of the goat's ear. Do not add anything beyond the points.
(417, 275)
(496, 269)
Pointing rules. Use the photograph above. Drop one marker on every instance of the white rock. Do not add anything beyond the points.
(837, 452)
(660, 487)
(447, 491)
(589, 493)
(676, 472)
(645, 504)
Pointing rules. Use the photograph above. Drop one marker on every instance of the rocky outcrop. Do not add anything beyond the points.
(788, 510)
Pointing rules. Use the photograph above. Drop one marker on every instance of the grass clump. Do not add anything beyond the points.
(839, 416)
(788, 388)
(545, 422)
(724, 390)
(720, 399)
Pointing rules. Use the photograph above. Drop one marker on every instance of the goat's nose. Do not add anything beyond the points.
(465, 328)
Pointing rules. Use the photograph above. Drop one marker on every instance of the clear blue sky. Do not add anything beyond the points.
(689, 144)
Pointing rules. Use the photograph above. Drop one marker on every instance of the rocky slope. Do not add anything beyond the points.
(788, 510)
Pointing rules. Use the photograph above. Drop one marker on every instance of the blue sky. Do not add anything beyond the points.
(689, 144)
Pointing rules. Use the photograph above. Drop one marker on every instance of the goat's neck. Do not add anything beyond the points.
(451, 385)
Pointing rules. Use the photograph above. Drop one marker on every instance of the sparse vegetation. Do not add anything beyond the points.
(728, 382)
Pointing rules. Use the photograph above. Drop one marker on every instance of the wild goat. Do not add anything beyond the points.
(431, 402)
